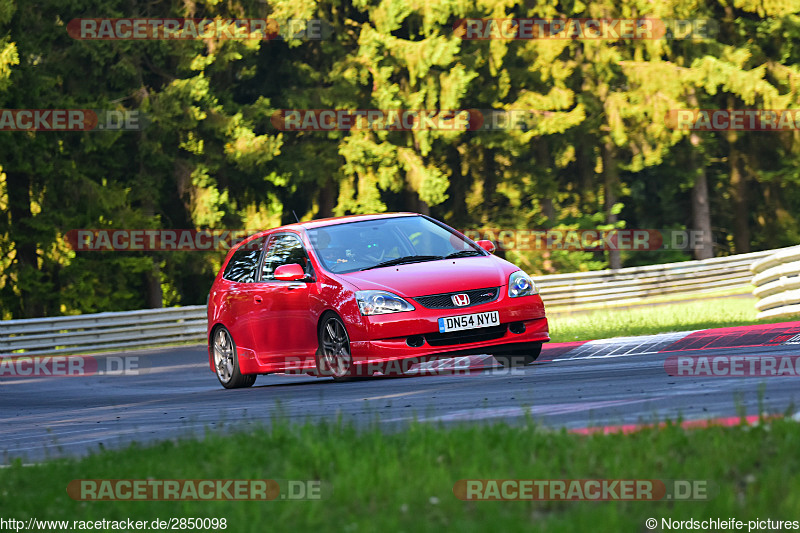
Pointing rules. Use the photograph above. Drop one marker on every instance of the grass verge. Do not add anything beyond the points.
(607, 323)
(403, 481)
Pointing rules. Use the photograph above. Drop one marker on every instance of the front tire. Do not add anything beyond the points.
(226, 361)
(334, 358)
(520, 357)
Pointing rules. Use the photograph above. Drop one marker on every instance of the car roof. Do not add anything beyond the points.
(322, 222)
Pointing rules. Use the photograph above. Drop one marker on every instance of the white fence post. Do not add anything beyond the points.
(776, 279)
(608, 288)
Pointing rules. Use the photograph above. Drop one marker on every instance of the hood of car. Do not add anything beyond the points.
(435, 277)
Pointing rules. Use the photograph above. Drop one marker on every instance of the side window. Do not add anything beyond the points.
(284, 249)
(243, 265)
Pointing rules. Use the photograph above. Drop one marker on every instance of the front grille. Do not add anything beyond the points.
(466, 336)
(443, 301)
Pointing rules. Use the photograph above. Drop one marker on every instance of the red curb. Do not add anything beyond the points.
(729, 421)
(737, 337)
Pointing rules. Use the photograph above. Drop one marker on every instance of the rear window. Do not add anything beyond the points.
(243, 266)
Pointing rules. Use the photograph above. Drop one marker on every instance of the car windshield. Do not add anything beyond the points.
(384, 242)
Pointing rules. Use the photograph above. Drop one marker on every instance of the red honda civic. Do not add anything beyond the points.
(356, 295)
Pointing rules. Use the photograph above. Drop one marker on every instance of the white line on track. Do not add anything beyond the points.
(617, 346)
(515, 411)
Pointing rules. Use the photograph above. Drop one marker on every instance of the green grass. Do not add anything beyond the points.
(403, 481)
(649, 320)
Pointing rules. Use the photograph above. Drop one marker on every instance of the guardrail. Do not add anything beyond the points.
(152, 327)
(602, 288)
(102, 331)
(777, 283)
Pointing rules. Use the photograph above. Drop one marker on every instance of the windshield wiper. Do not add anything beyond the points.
(403, 260)
(463, 253)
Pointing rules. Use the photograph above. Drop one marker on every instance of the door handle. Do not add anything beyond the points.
(258, 299)
(295, 286)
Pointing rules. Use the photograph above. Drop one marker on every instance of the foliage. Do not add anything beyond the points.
(598, 153)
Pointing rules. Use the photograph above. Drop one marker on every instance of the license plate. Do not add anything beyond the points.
(473, 321)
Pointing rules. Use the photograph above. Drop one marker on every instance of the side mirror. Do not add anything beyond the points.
(290, 272)
(487, 245)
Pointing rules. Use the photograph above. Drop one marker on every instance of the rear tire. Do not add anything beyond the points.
(518, 358)
(226, 361)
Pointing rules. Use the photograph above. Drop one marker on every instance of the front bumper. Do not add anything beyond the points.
(415, 334)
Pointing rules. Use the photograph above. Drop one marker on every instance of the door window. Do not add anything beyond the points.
(284, 249)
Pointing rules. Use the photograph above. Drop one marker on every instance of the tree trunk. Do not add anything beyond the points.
(489, 184)
(155, 296)
(701, 216)
(544, 160)
(327, 199)
(701, 211)
(414, 203)
(738, 187)
(585, 170)
(18, 185)
(458, 188)
(611, 182)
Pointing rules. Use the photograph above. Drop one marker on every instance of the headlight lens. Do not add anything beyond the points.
(521, 284)
(380, 303)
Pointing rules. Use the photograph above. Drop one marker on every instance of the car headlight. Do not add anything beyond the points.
(380, 303)
(521, 284)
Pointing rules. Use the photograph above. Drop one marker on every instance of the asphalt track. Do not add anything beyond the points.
(174, 394)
